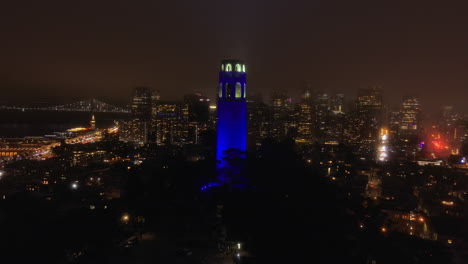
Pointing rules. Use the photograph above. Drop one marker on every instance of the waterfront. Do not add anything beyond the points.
(15, 123)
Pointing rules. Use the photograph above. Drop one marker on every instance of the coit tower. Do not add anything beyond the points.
(232, 108)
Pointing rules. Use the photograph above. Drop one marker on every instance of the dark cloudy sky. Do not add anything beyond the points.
(50, 49)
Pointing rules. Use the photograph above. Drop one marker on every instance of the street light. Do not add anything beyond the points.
(125, 218)
(239, 246)
(74, 186)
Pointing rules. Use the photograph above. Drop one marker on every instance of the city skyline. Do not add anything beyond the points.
(324, 131)
(335, 46)
(245, 176)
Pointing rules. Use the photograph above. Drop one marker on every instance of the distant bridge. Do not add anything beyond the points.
(89, 105)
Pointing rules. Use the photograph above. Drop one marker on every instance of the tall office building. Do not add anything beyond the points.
(132, 131)
(138, 128)
(321, 113)
(283, 116)
(408, 121)
(337, 102)
(370, 102)
(453, 125)
(198, 107)
(141, 103)
(172, 123)
(232, 108)
(304, 120)
(279, 99)
(336, 119)
(410, 114)
(198, 116)
(155, 97)
(369, 114)
(259, 121)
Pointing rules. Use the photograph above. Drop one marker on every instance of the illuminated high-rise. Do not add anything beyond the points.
(198, 106)
(454, 126)
(408, 140)
(304, 120)
(198, 116)
(155, 97)
(141, 104)
(137, 129)
(321, 113)
(337, 102)
(283, 115)
(369, 117)
(259, 121)
(410, 113)
(232, 108)
(336, 118)
(172, 123)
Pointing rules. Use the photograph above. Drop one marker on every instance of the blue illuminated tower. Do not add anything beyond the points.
(232, 108)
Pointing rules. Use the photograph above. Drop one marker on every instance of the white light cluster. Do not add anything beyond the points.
(382, 151)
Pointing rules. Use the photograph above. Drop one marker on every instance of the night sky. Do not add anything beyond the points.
(66, 50)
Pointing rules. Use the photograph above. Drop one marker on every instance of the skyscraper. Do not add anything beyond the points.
(141, 103)
(321, 113)
(305, 122)
(369, 111)
(259, 121)
(453, 125)
(337, 103)
(336, 118)
(410, 123)
(155, 97)
(172, 123)
(407, 142)
(232, 108)
(283, 116)
(198, 115)
(198, 107)
(137, 129)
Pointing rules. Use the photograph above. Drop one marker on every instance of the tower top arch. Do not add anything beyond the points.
(230, 65)
(232, 80)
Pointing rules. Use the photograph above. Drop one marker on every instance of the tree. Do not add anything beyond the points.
(232, 167)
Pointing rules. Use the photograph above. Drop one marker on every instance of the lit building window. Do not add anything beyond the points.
(245, 90)
(222, 67)
(220, 90)
(238, 90)
(243, 68)
(238, 68)
(228, 67)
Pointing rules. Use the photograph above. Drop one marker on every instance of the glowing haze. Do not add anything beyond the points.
(56, 50)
